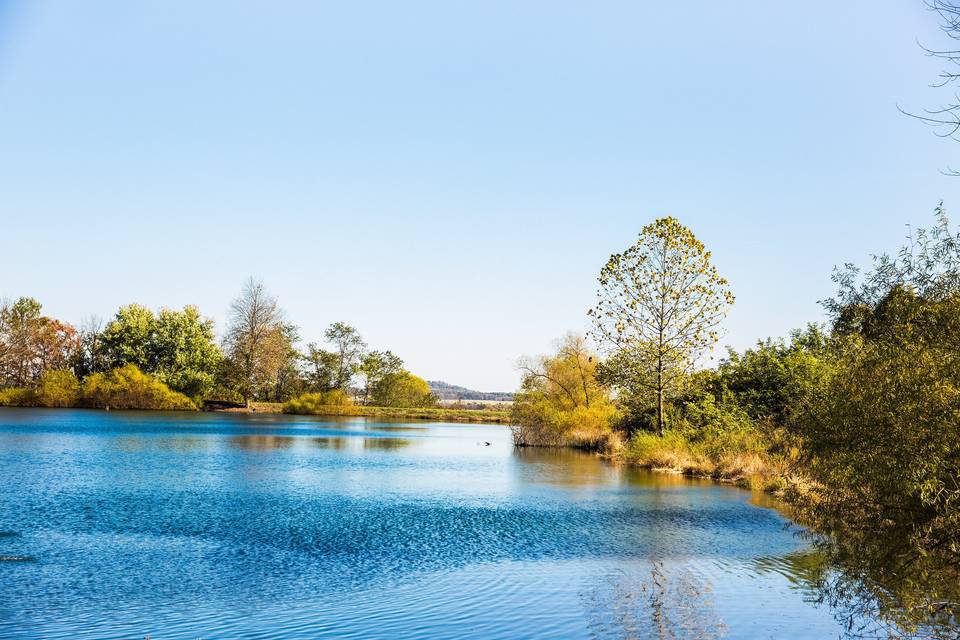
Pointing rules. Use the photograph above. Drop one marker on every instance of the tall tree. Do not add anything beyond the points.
(257, 341)
(659, 306)
(183, 351)
(349, 348)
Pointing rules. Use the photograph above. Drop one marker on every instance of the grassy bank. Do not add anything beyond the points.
(739, 461)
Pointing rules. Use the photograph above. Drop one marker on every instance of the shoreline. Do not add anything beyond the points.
(446, 414)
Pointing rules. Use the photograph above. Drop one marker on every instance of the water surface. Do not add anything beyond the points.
(178, 525)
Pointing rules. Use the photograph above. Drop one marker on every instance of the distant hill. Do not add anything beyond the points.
(447, 391)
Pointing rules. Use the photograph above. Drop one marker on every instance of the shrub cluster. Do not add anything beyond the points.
(122, 388)
(129, 388)
(317, 403)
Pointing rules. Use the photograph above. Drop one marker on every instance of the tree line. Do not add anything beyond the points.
(172, 359)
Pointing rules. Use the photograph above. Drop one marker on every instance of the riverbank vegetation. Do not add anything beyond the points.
(125, 387)
(855, 422)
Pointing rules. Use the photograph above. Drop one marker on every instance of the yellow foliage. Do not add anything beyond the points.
(59, 388)
(316, 403)
(18, 397)
(129, 388)
(561, 402)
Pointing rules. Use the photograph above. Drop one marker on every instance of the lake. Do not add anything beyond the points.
(179, 525)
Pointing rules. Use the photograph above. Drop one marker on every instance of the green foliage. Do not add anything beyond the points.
(184, 353)
(336, 368)
(177, 347)
(127, 339)
(321, 368)
(377, 368)
(881, 436)
(882, 430)
(58, 388)
(769, 379)
(402, 389)
(659, 306)
(129, 388)
(349, 348)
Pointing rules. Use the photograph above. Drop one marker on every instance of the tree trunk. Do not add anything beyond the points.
(660, 411)
(660, 398)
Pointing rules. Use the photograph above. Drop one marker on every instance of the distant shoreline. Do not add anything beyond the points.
(448, 414)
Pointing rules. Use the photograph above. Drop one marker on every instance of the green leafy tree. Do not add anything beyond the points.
(183, 351)
(321, 367)
(402, 389)
(337, 367)
(376, 367)
(348, 348)
(768, 380)
(177, 347)
(660, 304)
(128, 338)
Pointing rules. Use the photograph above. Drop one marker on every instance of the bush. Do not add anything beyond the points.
(402, 389)
(561, 402)
(317, 403)
(18, 397)
(59, 388)
(539, 421)
(129, 388)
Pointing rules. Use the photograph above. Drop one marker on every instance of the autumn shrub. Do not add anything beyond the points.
(561, 402)
(129, 388)
(318, 403)
(537, 421)
(18, 397)
(58, 388)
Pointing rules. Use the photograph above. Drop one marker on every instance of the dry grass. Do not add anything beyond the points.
(675, 454)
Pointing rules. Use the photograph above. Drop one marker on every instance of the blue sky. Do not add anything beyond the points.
(450, 177)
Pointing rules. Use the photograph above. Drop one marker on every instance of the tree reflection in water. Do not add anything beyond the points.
(875, 590)
(665, 605)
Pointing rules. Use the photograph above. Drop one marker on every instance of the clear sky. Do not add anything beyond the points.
(450, 177)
